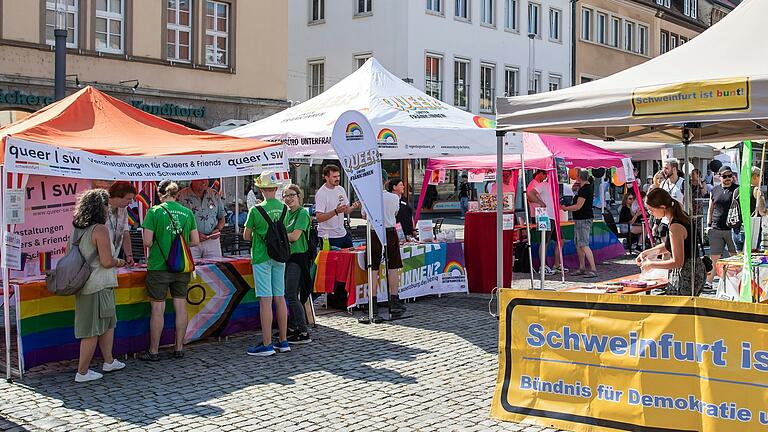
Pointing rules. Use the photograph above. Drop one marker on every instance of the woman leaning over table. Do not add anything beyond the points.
(297, 278)
(678, 244)
(95, 316)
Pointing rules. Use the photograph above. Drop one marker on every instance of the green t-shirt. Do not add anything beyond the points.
(298, 220)
(258, 226)
(159, 223)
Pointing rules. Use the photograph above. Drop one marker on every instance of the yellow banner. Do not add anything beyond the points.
(697, 97)
(588, 362)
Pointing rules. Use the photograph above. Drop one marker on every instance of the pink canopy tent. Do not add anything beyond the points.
(539, 152)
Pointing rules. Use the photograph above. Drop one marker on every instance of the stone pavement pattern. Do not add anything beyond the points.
(435, 371)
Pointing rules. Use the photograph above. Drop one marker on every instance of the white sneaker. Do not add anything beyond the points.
(116, 365)
(88, 376)
(548, 271)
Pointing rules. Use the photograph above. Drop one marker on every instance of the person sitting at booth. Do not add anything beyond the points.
(678, 243)
(242, 214)
(539, 195)
(507, 181)
(209, 211)
(628, 218)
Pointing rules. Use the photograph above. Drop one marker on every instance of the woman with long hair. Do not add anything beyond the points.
(677, 244)
(95, 316)
(629, 217)
(297, 278)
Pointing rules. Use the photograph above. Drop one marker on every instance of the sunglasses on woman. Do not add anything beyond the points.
(726, 176)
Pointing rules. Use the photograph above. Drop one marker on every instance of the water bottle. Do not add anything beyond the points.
(326, 243)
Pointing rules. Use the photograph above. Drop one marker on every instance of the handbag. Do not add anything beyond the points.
(705, 259)
(179, 257)
(734, 213)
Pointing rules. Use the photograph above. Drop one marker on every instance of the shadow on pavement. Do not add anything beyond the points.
(144, 392)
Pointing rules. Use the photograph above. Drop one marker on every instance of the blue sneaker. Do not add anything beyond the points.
(261, 350)
(283, 347)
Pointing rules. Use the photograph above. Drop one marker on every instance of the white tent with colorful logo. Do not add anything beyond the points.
(407, 122)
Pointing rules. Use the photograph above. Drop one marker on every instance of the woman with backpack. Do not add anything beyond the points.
(95, 316)
(297, 279)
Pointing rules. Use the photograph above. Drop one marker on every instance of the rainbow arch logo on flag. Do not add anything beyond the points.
(453, 268)
(386, 138)
(354, 131)
(484, 123)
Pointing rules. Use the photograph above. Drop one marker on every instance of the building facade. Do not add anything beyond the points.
(613, 35)
(462, 52)
(196, 62)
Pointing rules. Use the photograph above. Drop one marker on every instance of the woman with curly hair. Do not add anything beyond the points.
(95, 317)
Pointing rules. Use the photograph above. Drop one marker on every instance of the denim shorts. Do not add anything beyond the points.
(269, 278)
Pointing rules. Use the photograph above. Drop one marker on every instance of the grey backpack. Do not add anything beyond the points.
(72, 271)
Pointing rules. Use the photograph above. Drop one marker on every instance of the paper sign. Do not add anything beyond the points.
(629, 169)
(476, 176)
(12, 251)
(14, 206)
(508, 222)
(542, 220)
(562, 171)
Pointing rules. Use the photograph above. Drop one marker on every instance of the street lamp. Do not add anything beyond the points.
(531, 68)
(60, 57)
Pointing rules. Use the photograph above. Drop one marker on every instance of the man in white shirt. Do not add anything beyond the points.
(539, 195)
(394, 260)
(331, 205)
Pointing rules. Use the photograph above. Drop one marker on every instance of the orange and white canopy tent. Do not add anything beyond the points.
(92, 135)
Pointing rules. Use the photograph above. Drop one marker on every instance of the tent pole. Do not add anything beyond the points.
(6, 285)
(237, 205)
(686, 141)
(525, 207)
(499, 214)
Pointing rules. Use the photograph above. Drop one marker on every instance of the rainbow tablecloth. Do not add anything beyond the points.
(220, 301)
(604, 244)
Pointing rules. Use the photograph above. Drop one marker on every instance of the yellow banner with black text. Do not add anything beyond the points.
(589, 362)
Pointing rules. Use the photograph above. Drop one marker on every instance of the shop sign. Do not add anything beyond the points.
(18, 98)
(169, 109)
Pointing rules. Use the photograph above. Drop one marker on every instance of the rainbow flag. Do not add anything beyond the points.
(133, 216)
(45, 261)
(144, 199)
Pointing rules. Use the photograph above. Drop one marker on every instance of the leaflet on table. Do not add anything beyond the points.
(26, 157)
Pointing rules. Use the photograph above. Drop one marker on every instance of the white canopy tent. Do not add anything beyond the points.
(717, 84)
(407, 122)
(648, 151)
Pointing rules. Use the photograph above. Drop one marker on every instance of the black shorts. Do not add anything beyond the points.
(393, 250)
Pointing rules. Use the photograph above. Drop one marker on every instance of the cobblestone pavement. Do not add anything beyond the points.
(434, 371)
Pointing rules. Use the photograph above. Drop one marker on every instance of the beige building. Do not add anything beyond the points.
(196, 62)
(613, 35)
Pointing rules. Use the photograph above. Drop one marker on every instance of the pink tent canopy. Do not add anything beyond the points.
(540, 151)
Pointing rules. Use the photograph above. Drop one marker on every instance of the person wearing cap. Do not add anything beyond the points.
(268, 274)
(648, 183)
(209, 211)
(719, 233)
(161, 225)
(242, 213)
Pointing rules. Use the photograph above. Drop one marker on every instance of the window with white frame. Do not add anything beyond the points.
(360, 60)
(664, 3)
(629, 35)
(601, 22)
(642, 39)
(510, 15)
(364, 7)
(315, 78)
(534, 18)
(216, 33)
(615, 32)
(461, 83)
(683, 40)
(487, 12)
(511, 81)
(672, 42)
(536, 85)
(435, 6)
(554, 24)
(487, 88)
(179, 30)
(461, 9)
(316, 10)
(110, 25)
(433, 72)
(691, 8)
(70, 13)
(555, 81)
(664, 42)
(586, 23)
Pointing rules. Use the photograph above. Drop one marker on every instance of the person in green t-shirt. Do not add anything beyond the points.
(297, 279)
(268, 274)
(159, 232)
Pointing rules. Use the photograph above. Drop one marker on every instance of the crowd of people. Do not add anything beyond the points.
(196, 216)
